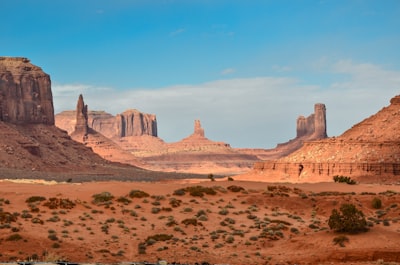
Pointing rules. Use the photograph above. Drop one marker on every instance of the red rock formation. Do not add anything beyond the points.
(134, 123)
(25, 93)
(128, 123)
(369, 151)
(81, 126)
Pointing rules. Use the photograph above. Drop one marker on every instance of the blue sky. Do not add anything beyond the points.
(246, 69)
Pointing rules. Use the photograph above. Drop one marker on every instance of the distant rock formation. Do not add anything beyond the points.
(198, 131)
(25, 93)
(129, 123)
(81, 125)
(134, 123)
(369, 151)
(314, 126)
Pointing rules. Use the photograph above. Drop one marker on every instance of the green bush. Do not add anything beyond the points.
(103, 197)
(376, 203)
(138, 194)
(349, 219)
(344, 179)
(340, 240)
(35, 199)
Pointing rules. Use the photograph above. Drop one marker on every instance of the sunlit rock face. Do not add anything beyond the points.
(25, 93)
(368, 151)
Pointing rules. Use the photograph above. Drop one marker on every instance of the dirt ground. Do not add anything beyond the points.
(244, 222)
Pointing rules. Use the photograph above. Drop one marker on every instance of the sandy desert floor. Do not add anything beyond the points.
(244, 222)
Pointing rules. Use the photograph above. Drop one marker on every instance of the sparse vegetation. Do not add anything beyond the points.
(376, 203)
(344, 179)
(102, 198)
(138, 194)
(349, 219)
(340, 240)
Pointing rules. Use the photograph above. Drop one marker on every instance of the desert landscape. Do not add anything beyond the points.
(106, 189)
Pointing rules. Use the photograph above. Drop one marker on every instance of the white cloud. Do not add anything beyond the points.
(177, 32)
(247, 112)
(228, 71)
(279, 68)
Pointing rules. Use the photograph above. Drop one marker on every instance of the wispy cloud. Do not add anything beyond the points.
(177, 32)
(279, 68)
(228, 71)
(247, 112)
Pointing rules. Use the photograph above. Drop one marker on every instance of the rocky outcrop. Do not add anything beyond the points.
(314, 126)
(369, 151)
(134, 123)
(25, 93)
(81, 126)
(128, 123)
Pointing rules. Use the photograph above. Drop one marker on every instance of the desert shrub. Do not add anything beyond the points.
(159, 237)
(230, 239)
(142, 248)
(235, 188)
(211, 177)
(56, 245)
(124, 200)
(199, 191)
(344, 179)
(138, 194)
(35, 199)
(191, 221)
(230, 179)
(223, 211)
(103, 197)
(14, 237)
(376, 203)
(340, 240)
(175, 202)
(349, 219)
(54, 203)
(6, 217)
(179, 192)
(155, 210)
(37, 221)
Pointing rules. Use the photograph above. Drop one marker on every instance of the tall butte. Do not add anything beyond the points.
(25, 93)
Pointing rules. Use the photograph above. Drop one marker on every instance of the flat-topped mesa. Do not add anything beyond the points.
(81, 125)
(134, 123)
(25, 93)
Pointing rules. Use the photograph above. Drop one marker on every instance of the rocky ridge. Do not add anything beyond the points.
(369, 151)
(129, 123)
(195, 153)
(32, 147)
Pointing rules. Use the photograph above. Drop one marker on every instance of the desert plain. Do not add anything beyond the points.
(233, 221)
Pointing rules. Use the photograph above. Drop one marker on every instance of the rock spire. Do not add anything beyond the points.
(81, 125)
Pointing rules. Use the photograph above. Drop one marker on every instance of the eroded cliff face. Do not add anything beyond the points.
(25, 93)
(134, 123)
(369, 151)
(128, 123)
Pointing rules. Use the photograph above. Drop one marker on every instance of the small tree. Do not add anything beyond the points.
(349, 219)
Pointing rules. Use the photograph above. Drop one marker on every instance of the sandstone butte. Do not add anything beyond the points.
(131, 137)
(31, 146)
(369, 152)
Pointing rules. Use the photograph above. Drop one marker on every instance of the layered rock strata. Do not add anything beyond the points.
(129, 123)
(369, 151)
(25, 93)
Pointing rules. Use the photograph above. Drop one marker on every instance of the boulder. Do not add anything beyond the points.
(25, 93)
